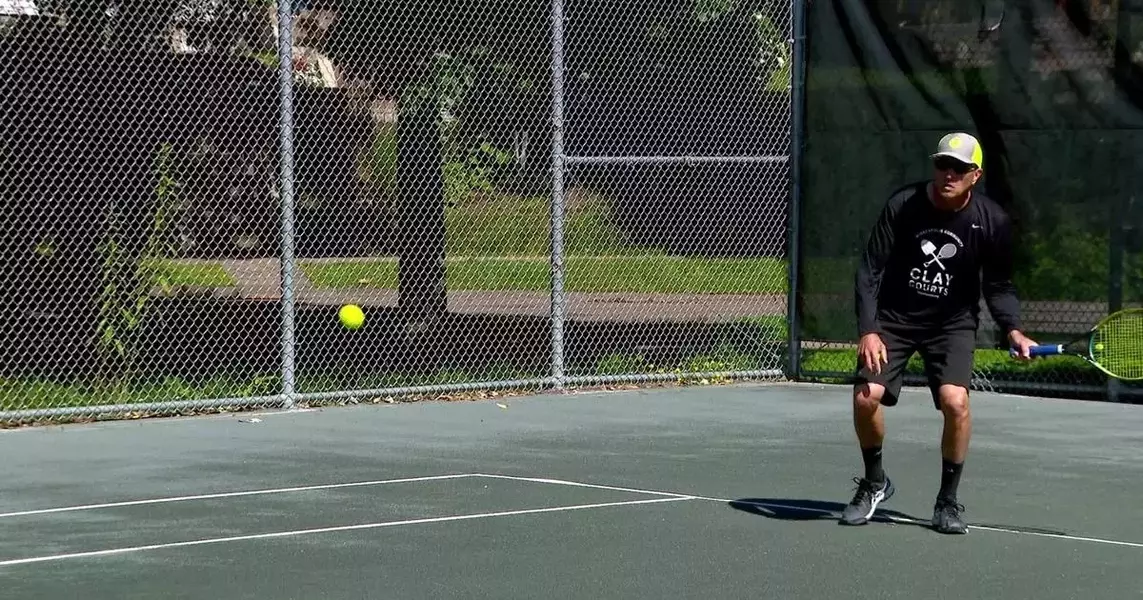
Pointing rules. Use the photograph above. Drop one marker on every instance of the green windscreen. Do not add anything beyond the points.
(1054, 91)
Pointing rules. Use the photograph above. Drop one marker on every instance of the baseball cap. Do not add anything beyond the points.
(962, 147)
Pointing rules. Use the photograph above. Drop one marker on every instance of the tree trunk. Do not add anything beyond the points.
(421, 215)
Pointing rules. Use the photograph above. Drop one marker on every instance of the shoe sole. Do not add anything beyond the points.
(885, 495)
(948, 531)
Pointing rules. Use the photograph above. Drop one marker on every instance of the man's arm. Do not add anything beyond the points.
(999, 291)
(867, 281)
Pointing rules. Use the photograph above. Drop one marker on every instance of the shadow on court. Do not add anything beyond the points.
(792, 509)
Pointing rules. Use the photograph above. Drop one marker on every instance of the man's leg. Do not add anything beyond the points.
(956, 434)
(869, 424)
(871, 392)
(948, 361)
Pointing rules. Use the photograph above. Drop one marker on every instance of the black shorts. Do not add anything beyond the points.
(947, 357)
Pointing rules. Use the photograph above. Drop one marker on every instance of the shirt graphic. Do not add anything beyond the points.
(932, 274)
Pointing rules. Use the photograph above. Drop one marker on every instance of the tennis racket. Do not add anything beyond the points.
(1114, 345)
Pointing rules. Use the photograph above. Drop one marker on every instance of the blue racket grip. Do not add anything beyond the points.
(1041, 350)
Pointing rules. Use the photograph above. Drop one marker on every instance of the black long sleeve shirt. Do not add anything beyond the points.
(927, 268)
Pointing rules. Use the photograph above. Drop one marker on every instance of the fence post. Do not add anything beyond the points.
(1118, 215)
(1115, 275)
(797, 118)
(559, 165)
(286, 182)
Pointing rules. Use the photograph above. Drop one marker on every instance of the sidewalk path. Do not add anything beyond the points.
(260, 279)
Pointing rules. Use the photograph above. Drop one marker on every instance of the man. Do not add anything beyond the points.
(937, 245)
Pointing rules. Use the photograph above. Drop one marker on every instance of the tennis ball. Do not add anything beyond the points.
(1099, 346)
(351, 316)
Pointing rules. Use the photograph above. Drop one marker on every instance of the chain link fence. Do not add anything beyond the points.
(519, 195)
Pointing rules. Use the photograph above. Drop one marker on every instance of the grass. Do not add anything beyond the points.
(490, 224)
(737, 349)
(208, 275)
(650, 274)
(19, 394)
(43, 392)
(497, 242)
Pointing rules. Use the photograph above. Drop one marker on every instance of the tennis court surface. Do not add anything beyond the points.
(701, 492)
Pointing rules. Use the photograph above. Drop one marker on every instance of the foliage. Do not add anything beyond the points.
(128, 274)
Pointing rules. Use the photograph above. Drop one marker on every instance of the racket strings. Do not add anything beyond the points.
(1118, 345)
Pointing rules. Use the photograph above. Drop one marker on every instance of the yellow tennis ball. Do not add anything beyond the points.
(351, 316)
(1099, 346)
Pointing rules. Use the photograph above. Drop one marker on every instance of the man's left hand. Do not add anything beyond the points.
(1022, 343)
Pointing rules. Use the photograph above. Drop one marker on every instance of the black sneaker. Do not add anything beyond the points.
(865, 501)
(946, 517)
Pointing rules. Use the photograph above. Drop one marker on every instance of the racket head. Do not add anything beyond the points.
(1115, 344)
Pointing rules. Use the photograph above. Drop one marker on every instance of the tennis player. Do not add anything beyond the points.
(937, 246)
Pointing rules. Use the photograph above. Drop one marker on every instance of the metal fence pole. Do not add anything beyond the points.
(558, 302)
(1115, 276)
(797, 116)
(286, 181)
(1117, 236)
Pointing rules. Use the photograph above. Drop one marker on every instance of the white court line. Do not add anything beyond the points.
(286, 490)
(1062, 536)
(300, 532)
(668, 496)
(587, 485)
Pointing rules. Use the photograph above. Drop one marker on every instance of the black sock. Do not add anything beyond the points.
(950, 479)
(872, 458)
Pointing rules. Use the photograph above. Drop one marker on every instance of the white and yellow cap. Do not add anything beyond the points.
(962, 147)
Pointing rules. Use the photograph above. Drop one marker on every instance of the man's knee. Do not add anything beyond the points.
(867, 397)
(953, 401)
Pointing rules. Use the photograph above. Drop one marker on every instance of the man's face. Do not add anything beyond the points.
(953, 178)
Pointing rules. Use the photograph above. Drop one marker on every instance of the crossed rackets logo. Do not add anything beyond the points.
(930, 249)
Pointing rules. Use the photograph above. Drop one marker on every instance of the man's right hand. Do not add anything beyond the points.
(871, 351)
